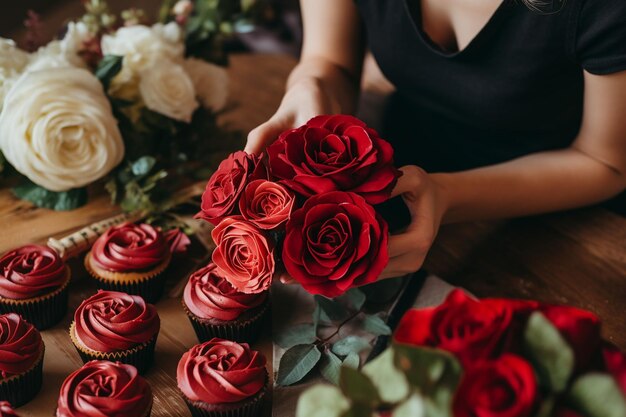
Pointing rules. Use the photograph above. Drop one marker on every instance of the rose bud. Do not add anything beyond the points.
(266, 204)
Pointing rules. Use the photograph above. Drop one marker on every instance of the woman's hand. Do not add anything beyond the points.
(424, 198)
(303, 101)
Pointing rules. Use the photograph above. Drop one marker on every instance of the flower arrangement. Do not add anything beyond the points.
(117, 98)
(490, 357)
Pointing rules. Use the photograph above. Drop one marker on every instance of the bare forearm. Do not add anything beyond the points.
(538, 183)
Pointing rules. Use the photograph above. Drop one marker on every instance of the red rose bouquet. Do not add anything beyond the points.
(306, 205)
(484, 358)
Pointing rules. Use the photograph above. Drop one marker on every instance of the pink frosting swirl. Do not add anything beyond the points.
(209, 295)
(220, 371)
(111, 321)
(6, 410)
(31, 271)
(104, 389)
(130, 247)
(20, 345)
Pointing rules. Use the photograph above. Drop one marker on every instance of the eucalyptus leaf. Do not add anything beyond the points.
(330, 367)
(358, 387)
(350, 344)
(391, 383)
(295, 335)
(143, 165)
(322, 401)
(412, 407)
(383, 291)
(60, 201)
(296, 363)
(108, 68)
(376, 325)
(597, 395)
(551, 356)
(328, 310)
(356, 298)
(352, 360)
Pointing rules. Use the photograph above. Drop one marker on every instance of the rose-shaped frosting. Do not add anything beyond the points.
(505, 387)
(227, 183)
(130, 247)
(6, 410)
(244, 255)
(57, 128)
(332, 153)
(104, 389)
(336, 241)
(111, 321)
(470, 329)
(209, 295)
(167, 89)
(266, 204)
(20, 345)
(220, 371)
(31, 271)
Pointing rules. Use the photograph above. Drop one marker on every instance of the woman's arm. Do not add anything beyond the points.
(327, 78)
(593, 169)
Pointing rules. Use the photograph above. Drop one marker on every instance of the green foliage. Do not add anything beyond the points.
(597, 395)
(358, 387)
(391, 383)
(39, 196)
(295, 335)
(356, 298)
(108, 68)
(322, 401)
(330, 367)
(296, 363)
(327, 311)
(376, 325)
(134, 185)
(350, 344)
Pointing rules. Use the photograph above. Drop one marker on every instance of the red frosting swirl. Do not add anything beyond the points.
(31, 271)
(20, 345)
(221, 371)
(130, 247)
(6, 410)
(104, 389)
(111, 321)
(209, 296)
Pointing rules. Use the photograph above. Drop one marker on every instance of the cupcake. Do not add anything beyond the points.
(21, 360)
(117, 327)
(223, 378)
(130, 258)
(105, 389)
(216, 309)
(33, 284)
(6, 410)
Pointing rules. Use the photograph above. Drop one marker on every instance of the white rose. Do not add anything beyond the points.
(61, 53)
(57, 129)
(168, 90)
(210, 82)
(12, 63)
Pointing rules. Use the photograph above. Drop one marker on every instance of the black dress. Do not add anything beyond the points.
(517, 88)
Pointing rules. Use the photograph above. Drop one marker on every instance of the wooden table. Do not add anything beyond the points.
(577, 258)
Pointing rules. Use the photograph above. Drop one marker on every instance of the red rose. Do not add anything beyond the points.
(505, 387)
(336, 241)
(615, 364)
(580, 328)
(470, 329)
(331, 153)
(266, 204)
(227, 183)
(243, 255)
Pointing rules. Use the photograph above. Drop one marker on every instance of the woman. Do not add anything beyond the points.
(510, 110)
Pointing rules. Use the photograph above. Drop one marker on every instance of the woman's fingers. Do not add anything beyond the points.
(402, 265)
(263, 135)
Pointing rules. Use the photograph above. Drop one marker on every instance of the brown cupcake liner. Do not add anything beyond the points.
(250, 407)
(20, 389)
(42, 312)
(141, 356)
(149, 284)
(241, 331)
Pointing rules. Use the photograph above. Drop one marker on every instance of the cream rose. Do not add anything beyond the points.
(61, 53)
(57, 129)
(167, 89)
(209, 81)
(12, 63)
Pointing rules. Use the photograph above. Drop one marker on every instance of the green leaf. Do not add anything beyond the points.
(327, 311)
(412, 407)
(60, 201)
(352, 360)
(300, 334)
(350, 344)
(383, 291)
(358, 387)
(359, 410)
(322, 401)
(551, 356)
(597, 395)
(391, 383)
(330, 367)
(296, 363)
(143, 165)
(375, 325)
(356, 297)
(108, 68)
